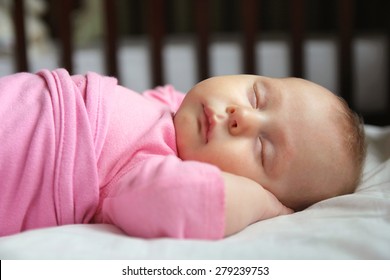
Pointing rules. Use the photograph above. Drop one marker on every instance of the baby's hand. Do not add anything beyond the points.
(273, 207)
(247, 202)
(286, 211)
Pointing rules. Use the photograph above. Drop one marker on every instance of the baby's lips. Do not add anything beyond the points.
(210, 119)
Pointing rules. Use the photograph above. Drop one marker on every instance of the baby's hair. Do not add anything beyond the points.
(349, 149)
(352, 126)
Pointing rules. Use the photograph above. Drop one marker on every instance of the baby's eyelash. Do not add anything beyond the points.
(261, 97)
(255, 99)
(261, 151)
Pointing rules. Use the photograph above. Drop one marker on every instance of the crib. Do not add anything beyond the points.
(353, 63)
(249, 36)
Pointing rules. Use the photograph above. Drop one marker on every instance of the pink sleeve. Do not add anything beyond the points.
(166, 95)
(166, 197)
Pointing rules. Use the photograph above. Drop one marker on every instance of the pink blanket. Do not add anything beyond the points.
(52, 128)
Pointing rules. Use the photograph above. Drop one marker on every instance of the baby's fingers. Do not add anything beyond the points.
(285, 210)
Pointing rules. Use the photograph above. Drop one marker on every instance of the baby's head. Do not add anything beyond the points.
(294, 137)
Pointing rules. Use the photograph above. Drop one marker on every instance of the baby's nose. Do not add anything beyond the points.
(242, 121)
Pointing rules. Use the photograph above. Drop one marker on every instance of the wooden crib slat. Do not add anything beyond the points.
(387, 29)
(249, 14)
(111, 38)
(202, 26)
(383, 118)
(156, 26)
(65, 32)
(21, 63)
(297, 32)
(345, 66)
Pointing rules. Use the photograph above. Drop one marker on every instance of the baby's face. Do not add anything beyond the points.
(278, 132)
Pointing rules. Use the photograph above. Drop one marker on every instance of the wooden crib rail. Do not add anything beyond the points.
(250, 33)
(20, 36)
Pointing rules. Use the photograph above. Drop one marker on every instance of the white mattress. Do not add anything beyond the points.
(355, 226)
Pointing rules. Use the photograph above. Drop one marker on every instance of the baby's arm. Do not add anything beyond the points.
(247, 202)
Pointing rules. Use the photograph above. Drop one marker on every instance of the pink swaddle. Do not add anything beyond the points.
(51, 132)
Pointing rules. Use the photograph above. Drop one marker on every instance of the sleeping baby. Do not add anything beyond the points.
(232, 151)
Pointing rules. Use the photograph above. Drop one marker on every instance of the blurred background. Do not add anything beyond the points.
(273, 17)
(272, 48)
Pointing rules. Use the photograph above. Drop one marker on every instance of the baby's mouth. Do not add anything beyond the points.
(208, 122)
(204, 124)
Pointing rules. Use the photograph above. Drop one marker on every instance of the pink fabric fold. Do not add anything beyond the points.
(50, 140)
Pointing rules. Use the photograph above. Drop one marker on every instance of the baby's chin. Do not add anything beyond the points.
(182, 152)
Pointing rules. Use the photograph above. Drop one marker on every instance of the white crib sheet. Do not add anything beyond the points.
(355, 226)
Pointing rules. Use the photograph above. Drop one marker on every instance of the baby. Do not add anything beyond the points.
(233, 151)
